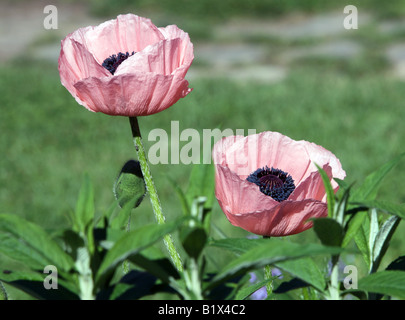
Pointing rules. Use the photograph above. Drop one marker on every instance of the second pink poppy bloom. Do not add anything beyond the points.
(126, 66)
(268, 184)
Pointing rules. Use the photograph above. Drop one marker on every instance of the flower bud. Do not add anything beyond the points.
(130, 184)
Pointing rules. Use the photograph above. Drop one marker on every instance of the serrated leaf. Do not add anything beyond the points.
(27, 242)
(391, 283)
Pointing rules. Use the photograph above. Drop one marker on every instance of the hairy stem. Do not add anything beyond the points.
(157, 208)
(268, 275)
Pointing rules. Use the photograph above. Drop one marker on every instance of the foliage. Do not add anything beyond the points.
(96, 258)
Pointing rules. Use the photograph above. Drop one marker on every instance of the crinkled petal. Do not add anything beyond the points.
(164, 57)
(133, 95)
(272, 149)
(127, 33)
(242, 202)
(287, 218)
(312, 187)
(239, 196)
(186, 50)
(321, 157)
(77, 63)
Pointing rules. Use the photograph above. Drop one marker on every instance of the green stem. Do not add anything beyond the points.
(268, 275)
(334, 292)
(154, 199)
(125, 265)
(3, 292)
(193, 281)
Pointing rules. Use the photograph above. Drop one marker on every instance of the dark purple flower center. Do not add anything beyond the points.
(273, 182)
(112, 62)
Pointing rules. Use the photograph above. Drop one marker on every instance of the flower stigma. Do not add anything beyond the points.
(112, 62)
(273, 182)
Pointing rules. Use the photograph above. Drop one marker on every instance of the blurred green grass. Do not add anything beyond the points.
(48, 141)
(199, 17)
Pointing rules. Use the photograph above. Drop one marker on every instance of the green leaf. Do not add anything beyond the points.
(133, 286)
(382, 240)
(305, 269)
(368, 190)
(238, 245)
(272, 252)
(33, 284)
(161, 268)
(130, 184)
(397, 264)
(373, 231)
(353, 226)
(341, 207)
(362, 239)
(193, 240)
(182, 197)
(330, 194)
(384, 206)
(201, 183)
(342, 184)
(391, 283)
(84, 213)
(245, 292)
(329, 231)
(121, 220)
(27, 242)
(132, 243)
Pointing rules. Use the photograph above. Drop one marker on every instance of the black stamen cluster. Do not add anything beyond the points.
(273, 182)
(112, 62)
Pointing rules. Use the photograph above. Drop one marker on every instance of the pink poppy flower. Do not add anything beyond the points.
(268, 184)
(126, 66)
